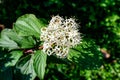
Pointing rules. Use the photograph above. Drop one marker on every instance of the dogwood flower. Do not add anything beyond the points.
(60, 36)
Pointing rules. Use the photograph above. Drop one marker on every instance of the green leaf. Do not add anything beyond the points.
(40, 63)
(25, 69)
(19, 41)
(10, 34)
(87, 55)
(28, 25)
(27, 42)
(9, 59)
(6, 42)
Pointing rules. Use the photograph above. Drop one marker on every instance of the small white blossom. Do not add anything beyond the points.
(60, 36)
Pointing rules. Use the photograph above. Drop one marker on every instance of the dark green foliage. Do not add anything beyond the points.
(7, 74)
(99, 21)
(87, 55)
(8, 59)
(106, 72)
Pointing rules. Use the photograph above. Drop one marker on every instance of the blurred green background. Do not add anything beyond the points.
(99, 21)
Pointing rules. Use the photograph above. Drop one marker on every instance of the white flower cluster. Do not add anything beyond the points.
(60, 36)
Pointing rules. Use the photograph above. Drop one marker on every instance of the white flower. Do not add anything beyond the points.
(60, 36)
